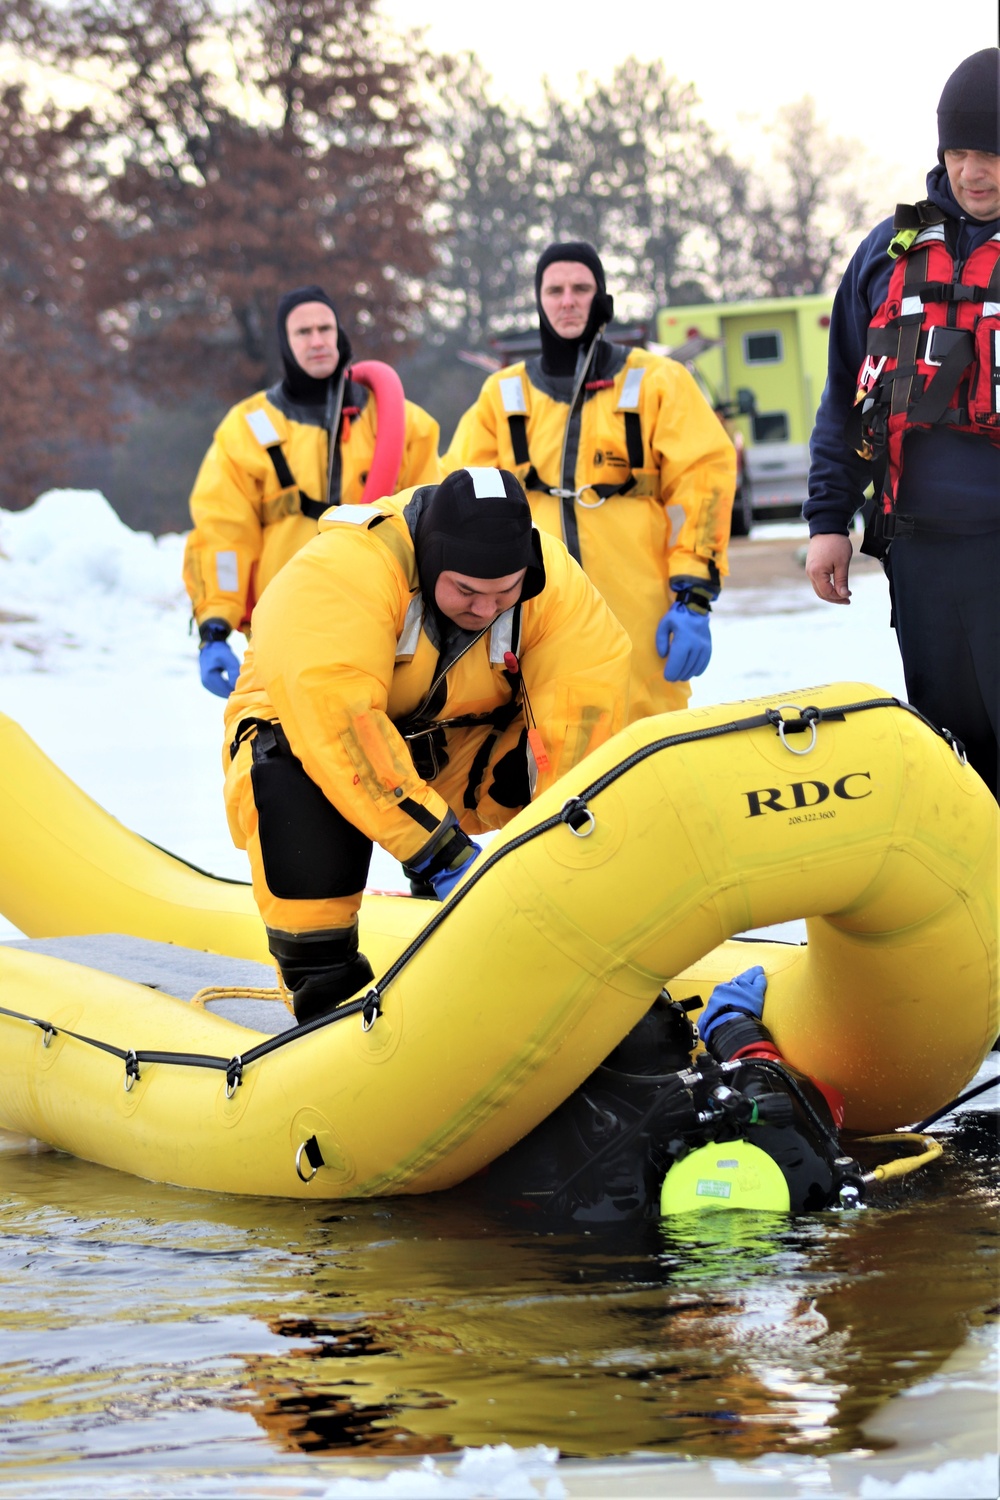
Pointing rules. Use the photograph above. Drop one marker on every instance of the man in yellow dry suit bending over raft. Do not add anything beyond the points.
(416, 673)
(271, 472)
(623, 458)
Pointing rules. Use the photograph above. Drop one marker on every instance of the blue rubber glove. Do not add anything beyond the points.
(445, 881)
(452, 852)
(742, 996)
(682, 636)
(219, 668)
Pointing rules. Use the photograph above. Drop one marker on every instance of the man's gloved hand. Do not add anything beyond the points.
(742, 996)
(445, 881)
(452, 853)
(217, 662)
(682, 636)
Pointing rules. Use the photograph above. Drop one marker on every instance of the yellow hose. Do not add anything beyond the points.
(903, 1164)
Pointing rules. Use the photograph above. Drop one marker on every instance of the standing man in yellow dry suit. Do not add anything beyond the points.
(416, 673)
(623, 458)
(271, 472)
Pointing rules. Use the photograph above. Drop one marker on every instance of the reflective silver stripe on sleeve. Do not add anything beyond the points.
(501, 637)
(512, 396)
(227, 573)
(910, 306)
(263, 428)
(676, 515)
(932, 232)
(629, 398)
(407, 643)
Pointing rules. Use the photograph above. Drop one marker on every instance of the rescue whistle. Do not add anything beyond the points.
(539, 751)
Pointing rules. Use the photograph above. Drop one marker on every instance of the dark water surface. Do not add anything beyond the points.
(139, 1321)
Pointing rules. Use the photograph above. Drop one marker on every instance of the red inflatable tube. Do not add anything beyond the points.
(387, 390)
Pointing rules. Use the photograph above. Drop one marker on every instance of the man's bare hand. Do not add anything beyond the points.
(828, 562)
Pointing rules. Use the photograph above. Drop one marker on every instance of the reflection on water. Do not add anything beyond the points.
(144, 1320)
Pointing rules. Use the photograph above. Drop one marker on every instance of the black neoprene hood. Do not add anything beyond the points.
(299, 386)
(559, 354)
(969, 111)
(477, 522)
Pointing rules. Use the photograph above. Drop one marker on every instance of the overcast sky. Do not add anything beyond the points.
(875, 70)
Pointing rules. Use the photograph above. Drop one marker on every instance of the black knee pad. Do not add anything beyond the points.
(310, 851)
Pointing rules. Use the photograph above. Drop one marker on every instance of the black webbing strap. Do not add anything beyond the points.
(942, 386)
(518, 424)
(633, 440)
(502, 718)
(309, 507)
(313, 508)
(909, 333)
(419, 814)
(949, 291)
(262, 727)
(285, 476)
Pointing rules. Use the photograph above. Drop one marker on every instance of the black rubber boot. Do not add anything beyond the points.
(322, 969)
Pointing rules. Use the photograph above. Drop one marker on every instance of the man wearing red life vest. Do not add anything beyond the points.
(912, 404)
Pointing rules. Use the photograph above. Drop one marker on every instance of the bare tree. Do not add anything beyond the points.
(57, 387)
(245, 150)
(801, 224)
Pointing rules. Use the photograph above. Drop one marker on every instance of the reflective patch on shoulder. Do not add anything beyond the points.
(487, 484)
(629, 398)
(502, 636)
(931, 232)
(512, 396)
(227, 573)
(407, 643)
(263, 428)
(351, 515)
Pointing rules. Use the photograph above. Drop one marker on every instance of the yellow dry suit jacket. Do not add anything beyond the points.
(641, 430)
(344, 655)
(263, 485)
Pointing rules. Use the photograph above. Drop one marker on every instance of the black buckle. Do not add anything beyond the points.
(941, 341)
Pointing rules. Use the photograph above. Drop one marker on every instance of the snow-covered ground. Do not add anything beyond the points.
(98, 663)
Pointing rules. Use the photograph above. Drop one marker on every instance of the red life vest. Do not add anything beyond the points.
(933, 352)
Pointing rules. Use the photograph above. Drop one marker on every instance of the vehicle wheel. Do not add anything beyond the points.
(742, 510)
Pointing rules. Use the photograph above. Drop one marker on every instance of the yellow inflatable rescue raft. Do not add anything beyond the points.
(842, 807)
